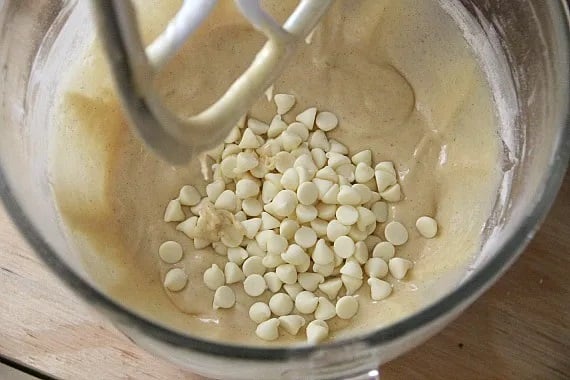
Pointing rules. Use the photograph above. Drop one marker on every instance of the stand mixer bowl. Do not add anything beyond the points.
(526, 49)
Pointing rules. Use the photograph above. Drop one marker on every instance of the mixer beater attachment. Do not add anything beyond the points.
(134, 68)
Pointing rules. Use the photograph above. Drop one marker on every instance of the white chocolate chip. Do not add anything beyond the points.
(173, 212)
(214, 189)
(226, 201)
(376, 267)
(307, 193)
(347, 215)
(323, 186)
(364, 191)
(251, 227)
(399, 267)
(347, 307)
(307, 117)
(306, 302)
(276, 127)
(364, 157)
(268, 330)
(306, 214)
(273, 282)
(319, 157)
(348, 196)
(317, 331)
(344, 247)
(347, 172)
(202, 205)
(237, 255)
(247, 188)
(263, 237)
(249, 140)
(214, 277)
(276, 245)
(305, 237)
(188, 227)
(326, 211)
(396, 233)
(327, 173)
(240, 216)
(231, 236)
(284, 161)
(280, 304)
(189, 196)
(336, 160)
(233, 273)
(256, 126)
(326, 121)
(201, 243)
(331, 287)
(170, 252)
(290, 179)
(361, 252)
(320, 227)
(351, 284)
(220, 248)
(291, 323)
(230, 150)
(224, 298)
(318, 139)
(322, 254)
(284, 103)
(287, 273)
(299, 129)
(304, 267)
(254, 285)
(272, 261)
(304, 174)
(426, 226)
(253, 249)
(284, 203)
(290, 141)
(380, 210)
(331, 196)
(310, 281)
(253, 265)
(295, 255)
(352, 268)
(259, 312)
(384, 180)
(293, 289)
(245, 161)
(392, 194)
(387, 166)
(252, 207)
(288, 228)
(233, 136)
(338, 147)
(336, 229)
(363, 173)
(268, 222)
(326, 269)
(384, 250)
(325, 309)
(175, 279)
(365, 218)
(228, 166)
(379, 289)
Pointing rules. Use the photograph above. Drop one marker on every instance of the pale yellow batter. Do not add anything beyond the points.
(403, 82)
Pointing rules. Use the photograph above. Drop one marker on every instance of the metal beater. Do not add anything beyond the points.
(135, 66)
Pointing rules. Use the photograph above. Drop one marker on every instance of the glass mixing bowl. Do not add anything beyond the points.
(525, 52)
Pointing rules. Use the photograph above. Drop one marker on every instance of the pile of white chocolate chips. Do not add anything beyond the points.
(295, 215)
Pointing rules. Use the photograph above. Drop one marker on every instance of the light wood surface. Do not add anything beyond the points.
(520, 329)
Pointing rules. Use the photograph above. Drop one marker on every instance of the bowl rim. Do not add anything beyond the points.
(457, 298)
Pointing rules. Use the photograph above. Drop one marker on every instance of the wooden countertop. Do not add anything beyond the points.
(519, 329)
